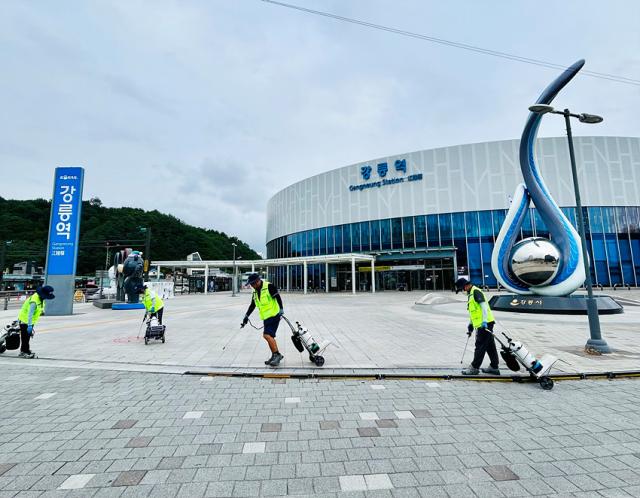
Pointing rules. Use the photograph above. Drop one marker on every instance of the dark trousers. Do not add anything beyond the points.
(24, 338)
(158, 314)
(485, 343)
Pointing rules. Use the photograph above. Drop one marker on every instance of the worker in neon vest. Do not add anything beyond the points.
(152, 302)
(29, 316)
(481, 320)
(269, 303)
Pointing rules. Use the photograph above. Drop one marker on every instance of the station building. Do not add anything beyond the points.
(431, 215)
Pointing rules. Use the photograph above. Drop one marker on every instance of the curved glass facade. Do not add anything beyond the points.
(426, 248)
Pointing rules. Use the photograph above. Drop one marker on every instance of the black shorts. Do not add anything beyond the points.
(271, 325)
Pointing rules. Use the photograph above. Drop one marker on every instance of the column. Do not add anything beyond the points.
(288, 281)
(304, 276)
(157, 273)
(373, 275)
(206, 279)
(353, 275)
(326, 277)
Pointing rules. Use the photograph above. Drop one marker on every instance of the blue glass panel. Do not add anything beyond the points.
(445, 229)
(499, 216)
(346, 237)
(602, 276)
(408, 232)
(338, 239)
(541, 227)
(608, 220)
(365, 236)
(570, 213)
(475, 263)
(316, 241)
(385, 233)
(323, 241)
(489, 277)
(614, 259)
(470, 220)
(355, 237)
(375, 235)
(331, 248)
(433, 230)
(486, 225)
(421, 231)
(396, 233)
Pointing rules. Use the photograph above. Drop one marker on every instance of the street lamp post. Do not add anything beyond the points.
(595, 341)
(233, 282)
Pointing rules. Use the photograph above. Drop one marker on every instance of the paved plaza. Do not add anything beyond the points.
(374, 334)
(101, 414)
(97, 433)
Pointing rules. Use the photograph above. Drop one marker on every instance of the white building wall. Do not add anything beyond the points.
(469, 177)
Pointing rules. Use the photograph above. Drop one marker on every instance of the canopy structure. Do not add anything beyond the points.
(261, 263)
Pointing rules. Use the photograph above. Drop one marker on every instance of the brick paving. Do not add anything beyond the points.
(125, 434)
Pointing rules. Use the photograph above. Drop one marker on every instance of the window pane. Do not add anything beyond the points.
(355, 237)
(385, 233)
(445, 229)
(338, 239)
(396, 233)
(346, 237)
(365, 236)
(407, 232)
(433, 230)
(375, 235)
(421, 231)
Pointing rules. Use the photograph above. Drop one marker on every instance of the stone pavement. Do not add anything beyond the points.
(370, 334)
(97, 433)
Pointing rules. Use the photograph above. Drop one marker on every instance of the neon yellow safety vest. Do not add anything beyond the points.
(475, 310)
(147, 300)
(24, 311)
(266, 304)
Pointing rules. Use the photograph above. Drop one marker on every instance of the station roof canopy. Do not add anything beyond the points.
(249, 263)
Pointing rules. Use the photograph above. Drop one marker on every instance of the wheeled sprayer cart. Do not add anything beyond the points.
(514, 354)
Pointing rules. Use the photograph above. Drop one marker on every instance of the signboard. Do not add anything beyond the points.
(64, 231)
(382, 169)
(65, 221)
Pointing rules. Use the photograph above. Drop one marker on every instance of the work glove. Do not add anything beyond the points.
(245, 320)
(470, 329)
(281, 312)
(153, 309)
(30, 330)
(484, 325)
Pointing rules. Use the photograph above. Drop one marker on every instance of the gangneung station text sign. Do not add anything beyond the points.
(64, 232)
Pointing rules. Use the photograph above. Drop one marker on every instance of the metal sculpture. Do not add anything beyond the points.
(537, 265)
(128, 266)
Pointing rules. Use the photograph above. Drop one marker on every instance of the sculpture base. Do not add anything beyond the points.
(127, 306)
(562, 305)
(104, 303)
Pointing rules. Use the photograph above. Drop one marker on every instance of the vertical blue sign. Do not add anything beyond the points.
(64, 226)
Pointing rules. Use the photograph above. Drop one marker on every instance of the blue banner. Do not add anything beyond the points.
(64, 226)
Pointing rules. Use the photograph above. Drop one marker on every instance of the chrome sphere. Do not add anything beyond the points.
(535, 261)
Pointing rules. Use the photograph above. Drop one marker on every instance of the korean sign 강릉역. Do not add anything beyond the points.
(65, 221)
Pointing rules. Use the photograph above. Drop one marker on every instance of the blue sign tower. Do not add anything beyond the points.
(64, 232)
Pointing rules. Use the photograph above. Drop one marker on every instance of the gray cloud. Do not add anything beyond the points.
(202, 102)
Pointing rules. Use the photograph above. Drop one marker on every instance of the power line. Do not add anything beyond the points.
(463, 46)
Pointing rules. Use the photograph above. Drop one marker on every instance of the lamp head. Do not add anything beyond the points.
(590, 118)
(541, 108)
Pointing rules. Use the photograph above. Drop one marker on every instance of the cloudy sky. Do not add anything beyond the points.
(206, 108)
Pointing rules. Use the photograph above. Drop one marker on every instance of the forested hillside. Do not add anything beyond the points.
(25, 224)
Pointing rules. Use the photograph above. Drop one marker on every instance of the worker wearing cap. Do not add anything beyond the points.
(29, 316)
(152, 302)
(269, 303)
(481, 320)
